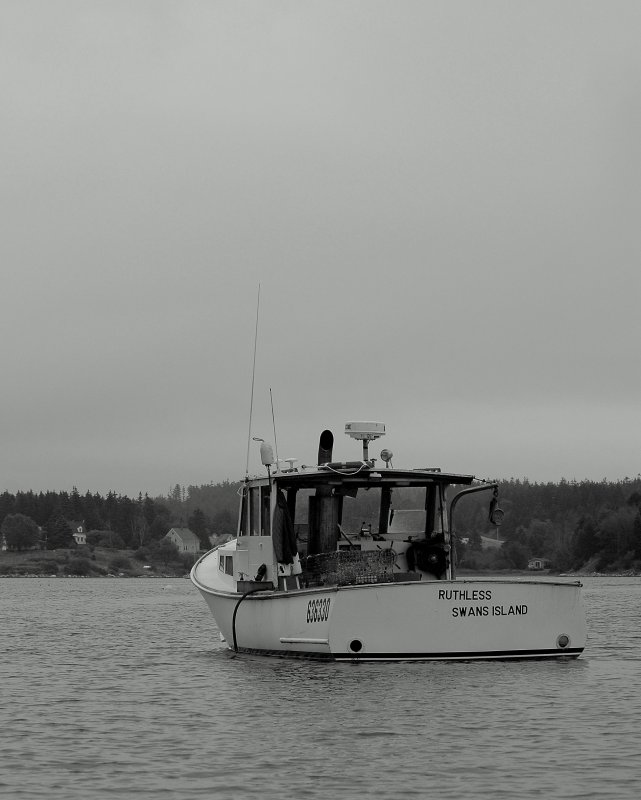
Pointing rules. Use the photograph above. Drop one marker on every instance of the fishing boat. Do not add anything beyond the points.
(356, 561)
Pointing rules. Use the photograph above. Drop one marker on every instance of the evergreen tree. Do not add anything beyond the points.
(160, 526)
(585, 541)
(75, 505)
(224, 524)
(636, 530)
(7, 504)
(47, 504)
(91, 512)
(149, 509)
(59, 533)
(26, 504)
(197, 522)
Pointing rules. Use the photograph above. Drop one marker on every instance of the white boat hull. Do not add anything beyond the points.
(384, 589)
(415, 620)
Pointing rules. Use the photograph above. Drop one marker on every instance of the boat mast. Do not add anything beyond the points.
(271, 399)
(251, 399)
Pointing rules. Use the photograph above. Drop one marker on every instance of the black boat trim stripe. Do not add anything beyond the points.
(463, 656)
(572, 652)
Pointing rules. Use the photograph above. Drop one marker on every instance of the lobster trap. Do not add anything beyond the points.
(350, 567)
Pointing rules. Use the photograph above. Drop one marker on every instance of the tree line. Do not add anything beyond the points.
(29, 519)
(572, 524)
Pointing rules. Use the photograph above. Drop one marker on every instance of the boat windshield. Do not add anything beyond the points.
(400, 512)
(394, 513)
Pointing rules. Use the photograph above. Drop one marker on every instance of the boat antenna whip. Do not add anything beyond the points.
(251, 399)
(271, 399)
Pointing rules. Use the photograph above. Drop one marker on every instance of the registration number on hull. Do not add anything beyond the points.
(318, 610)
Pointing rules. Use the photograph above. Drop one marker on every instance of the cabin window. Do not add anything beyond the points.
(242, 523)
(259, 511)
(226, 564)
(254, 507)
(265, 508)
(408, 510)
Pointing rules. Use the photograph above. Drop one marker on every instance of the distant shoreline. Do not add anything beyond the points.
(470, 575)
(100, 562)
(95, 577)
(89, 562)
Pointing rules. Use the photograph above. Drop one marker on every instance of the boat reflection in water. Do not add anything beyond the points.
(384, 589)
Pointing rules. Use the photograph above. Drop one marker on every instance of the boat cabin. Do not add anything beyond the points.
(332, 525)
(342, 523)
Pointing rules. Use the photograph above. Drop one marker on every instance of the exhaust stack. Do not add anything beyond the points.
(325, 447)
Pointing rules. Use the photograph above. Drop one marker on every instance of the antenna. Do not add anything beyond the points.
(274, 425)
(251, 400)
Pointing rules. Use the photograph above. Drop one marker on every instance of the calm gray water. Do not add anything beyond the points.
(120, 688)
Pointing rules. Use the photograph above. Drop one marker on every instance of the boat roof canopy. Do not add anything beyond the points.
(367, 477)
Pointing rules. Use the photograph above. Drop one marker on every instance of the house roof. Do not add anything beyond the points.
(489, 542)
(185, 535)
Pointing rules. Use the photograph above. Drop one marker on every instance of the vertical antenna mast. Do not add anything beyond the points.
(274, 424)
(251, 400)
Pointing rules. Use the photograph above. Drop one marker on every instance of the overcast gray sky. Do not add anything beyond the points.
(440, 201)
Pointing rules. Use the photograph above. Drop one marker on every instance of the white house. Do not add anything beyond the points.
(78, 531)
(185, 540)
